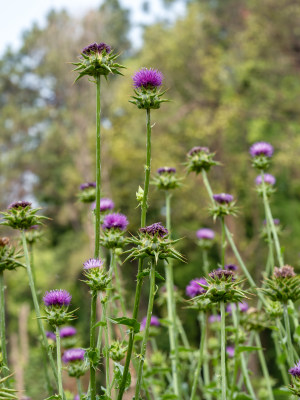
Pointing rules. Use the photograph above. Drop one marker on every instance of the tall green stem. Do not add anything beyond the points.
(79, 388)
(98, 168)
(223, 245)
(171, 305)
(205, 261)
(2, 316)
(223, 351)
(264, 366)
(146, 331)
(290, 347)
(200, 357)
(106, 336)
(44, 341)
(140, 264)
(93, 344)
(59, 367)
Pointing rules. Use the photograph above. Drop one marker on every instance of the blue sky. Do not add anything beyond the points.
(18, 15)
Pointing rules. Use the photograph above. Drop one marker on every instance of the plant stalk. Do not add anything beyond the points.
(93, 344)
(3, 330)
(201, 355)
(58, 360)
(223, 351)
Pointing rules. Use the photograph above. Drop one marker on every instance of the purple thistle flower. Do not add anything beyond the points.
(221, 274)
(57, 297)
(214, 318)
(284, 272)
(96, 48)
(115, 220)
(268, 178)
(261, 148)
(147, 78)
(153, 322)
(87, 185)
(93, 263)
(67, 331)
(198, 149)
(72, 355)
(51, 335)
(19, 204)
(231, 267)
(243, 307)
(194, 289)
(169, 170)
(275, 220)
(295, 371)
(205, 233)
(230, 351)
(76, 397)
(106, 204)
(223, 198)
(155, 229)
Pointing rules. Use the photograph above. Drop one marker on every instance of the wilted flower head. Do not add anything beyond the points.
(268, 178)
(205, 233)
(93, 263)
(199, 158)
(96, 48)
(168, 170)
(87, 185)
(115, 221)
(223, 198)
(67, 331)
(231, 267)
(214, 318)
(57, 297)
(72, 355)
(106, 204)
(261, 148)
(295, 371)
(194, 289)
(230, 351)
(19, 204)
(4, 241)
(153, 322)
(284, 272)
(156, 229)
(198, 149)
(147, 78)
(221, 274)
(50, 335)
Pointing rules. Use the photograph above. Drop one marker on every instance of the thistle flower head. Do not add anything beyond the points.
(4, 241)
(147, 78)
(261, 152)
(223, 198)
(87, 192)
(115, 221)
(117, 351)
(96, 48)
(106, 204)
(205, 233)
(57, 298)
(9, 256)
(156, 229)
(261, 148)
(284, 272)
(87, 185)
(275, 220)
(194, 289)
(231, 267)
(230, 351)
(51, 335)
(166, 170)
(243, 307)
(93, 263)
(20, 204)
(67, 331)
(221, 274)
(295, 371)
(200, 158)
(153, 322)
(222, 286)
(73, 355)
(268, 178)
(214, 318)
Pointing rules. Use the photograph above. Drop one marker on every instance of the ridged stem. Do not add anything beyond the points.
(223, 351)
(171, 305)
(201, 355)
(79, 387)
(140, 263)
(93, 344)
(58, 361)
(3, 330)
(287, 326)
(146, 331)
(44, 341)
(264, 366)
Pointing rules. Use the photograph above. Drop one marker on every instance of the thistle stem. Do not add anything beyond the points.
(43, 339)
(140, 263)
(2, 316)
(98, 169)
(146, 331)
(223, 245)
(201, 354)
(171, 305)
(106, 336)
(59, 367)
(93, 344)
(205, 261)
(264, 366)
(223, 350)
(290, 348)
(79, 387)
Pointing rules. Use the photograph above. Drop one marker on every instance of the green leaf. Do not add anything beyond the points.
(248, 348)
(131, 322)
(165, 322)
(118, 375)
(158, 276)
(100, 323)
(242, 396)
